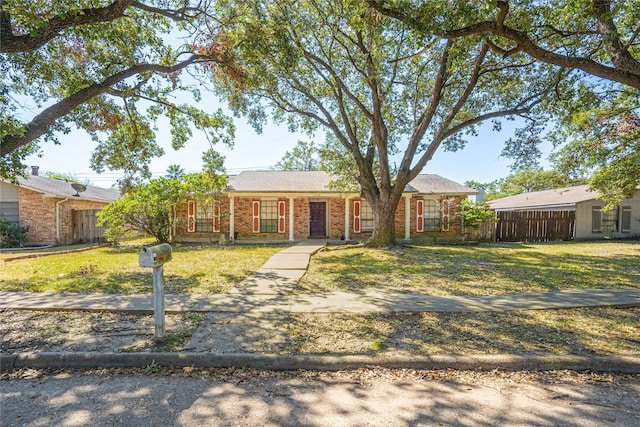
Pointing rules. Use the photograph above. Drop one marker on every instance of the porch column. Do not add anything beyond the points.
(291, 236)
(407, 218)
(347, 226)
(232, 217)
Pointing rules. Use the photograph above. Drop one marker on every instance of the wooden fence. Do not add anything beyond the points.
(85, 229)
(486, 232)
(535, 226)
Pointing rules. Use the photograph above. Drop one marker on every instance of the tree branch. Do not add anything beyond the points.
(41, 123)
(11, 43)
(626, 70)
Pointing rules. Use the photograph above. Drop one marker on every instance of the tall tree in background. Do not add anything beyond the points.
(525, 180)
(305, 156)
(371, 83)
(104, 66)
(175, 172)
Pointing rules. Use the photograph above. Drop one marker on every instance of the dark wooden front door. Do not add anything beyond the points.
(317, 219)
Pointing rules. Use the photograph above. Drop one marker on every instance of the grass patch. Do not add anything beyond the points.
(582, 331)
(193, 270)
(487, 269)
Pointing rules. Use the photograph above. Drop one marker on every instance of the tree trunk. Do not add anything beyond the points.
(384, 220)
(384, 230)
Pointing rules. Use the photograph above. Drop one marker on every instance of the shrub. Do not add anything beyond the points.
(12, 235)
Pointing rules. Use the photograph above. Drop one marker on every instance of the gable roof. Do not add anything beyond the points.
(280, 182)
(318, 182)
(555, 198)
(435, 184)
(60, 188)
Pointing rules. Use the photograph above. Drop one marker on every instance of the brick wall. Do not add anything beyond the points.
(336, 208)
(39, 214)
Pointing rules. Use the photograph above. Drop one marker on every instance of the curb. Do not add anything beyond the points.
(621, 364)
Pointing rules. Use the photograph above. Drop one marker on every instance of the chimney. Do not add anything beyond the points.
(34, 170)
(480, 195)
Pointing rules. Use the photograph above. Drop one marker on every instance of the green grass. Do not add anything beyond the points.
(193, 270)
(487, 269)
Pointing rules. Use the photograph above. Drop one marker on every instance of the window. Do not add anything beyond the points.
(9, 211)
(605, 221)
(431, 215)
(207, 217)
(269, 216)
(626, 220)
(366, 216)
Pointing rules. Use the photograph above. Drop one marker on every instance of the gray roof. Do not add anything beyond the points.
(318, 182)
(280, 182)
(435, 184)
(61, 188)
(558, 197)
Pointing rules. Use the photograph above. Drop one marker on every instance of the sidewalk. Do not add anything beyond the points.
(248, 312)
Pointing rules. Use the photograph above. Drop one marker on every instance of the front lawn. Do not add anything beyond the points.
(193, 270)
(487, 269)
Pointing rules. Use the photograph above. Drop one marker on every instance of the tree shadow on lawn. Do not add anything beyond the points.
(585, 331)
(464, 271)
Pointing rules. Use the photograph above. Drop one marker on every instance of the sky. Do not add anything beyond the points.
(479, 161)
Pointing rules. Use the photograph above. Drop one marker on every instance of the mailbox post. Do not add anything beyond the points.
(155, 257)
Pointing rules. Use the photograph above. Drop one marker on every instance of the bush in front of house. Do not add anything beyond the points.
(12, 235)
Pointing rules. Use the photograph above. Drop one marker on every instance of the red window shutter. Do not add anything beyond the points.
(191, 216)
(256, 216)
(419, 216)
(356, 216)
(281, 216)
(216, 216)
(445, 215)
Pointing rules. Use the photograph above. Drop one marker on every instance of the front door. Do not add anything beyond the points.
(317, 219)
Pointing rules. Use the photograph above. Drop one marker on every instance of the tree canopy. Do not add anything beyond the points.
(384, 98)
(151, 207)
(110, 67)
(599, 37)
(304, 156)
(598, 41)
(525, 180)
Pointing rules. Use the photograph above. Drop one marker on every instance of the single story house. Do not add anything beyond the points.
(591, 222)
(54, 211)
(294, 205)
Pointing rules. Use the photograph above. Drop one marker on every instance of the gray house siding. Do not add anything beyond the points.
(590, 225)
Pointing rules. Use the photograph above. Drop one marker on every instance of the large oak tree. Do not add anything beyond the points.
(370, 82)
(597, 40)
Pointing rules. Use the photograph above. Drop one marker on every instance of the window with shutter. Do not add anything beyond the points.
(596, 220)
(419, 216)
(256, 216)
(445, 214)
(281, 216)
(626, 220)
(191, 216)
(216, 216)
(356, 216)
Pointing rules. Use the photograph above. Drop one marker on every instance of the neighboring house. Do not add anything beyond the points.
(591, 222)
(54, 211)
(296, 205)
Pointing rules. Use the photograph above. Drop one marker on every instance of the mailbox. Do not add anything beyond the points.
(155, 256)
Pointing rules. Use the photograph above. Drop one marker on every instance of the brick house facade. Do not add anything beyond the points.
(48, 207)
(295, 205)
